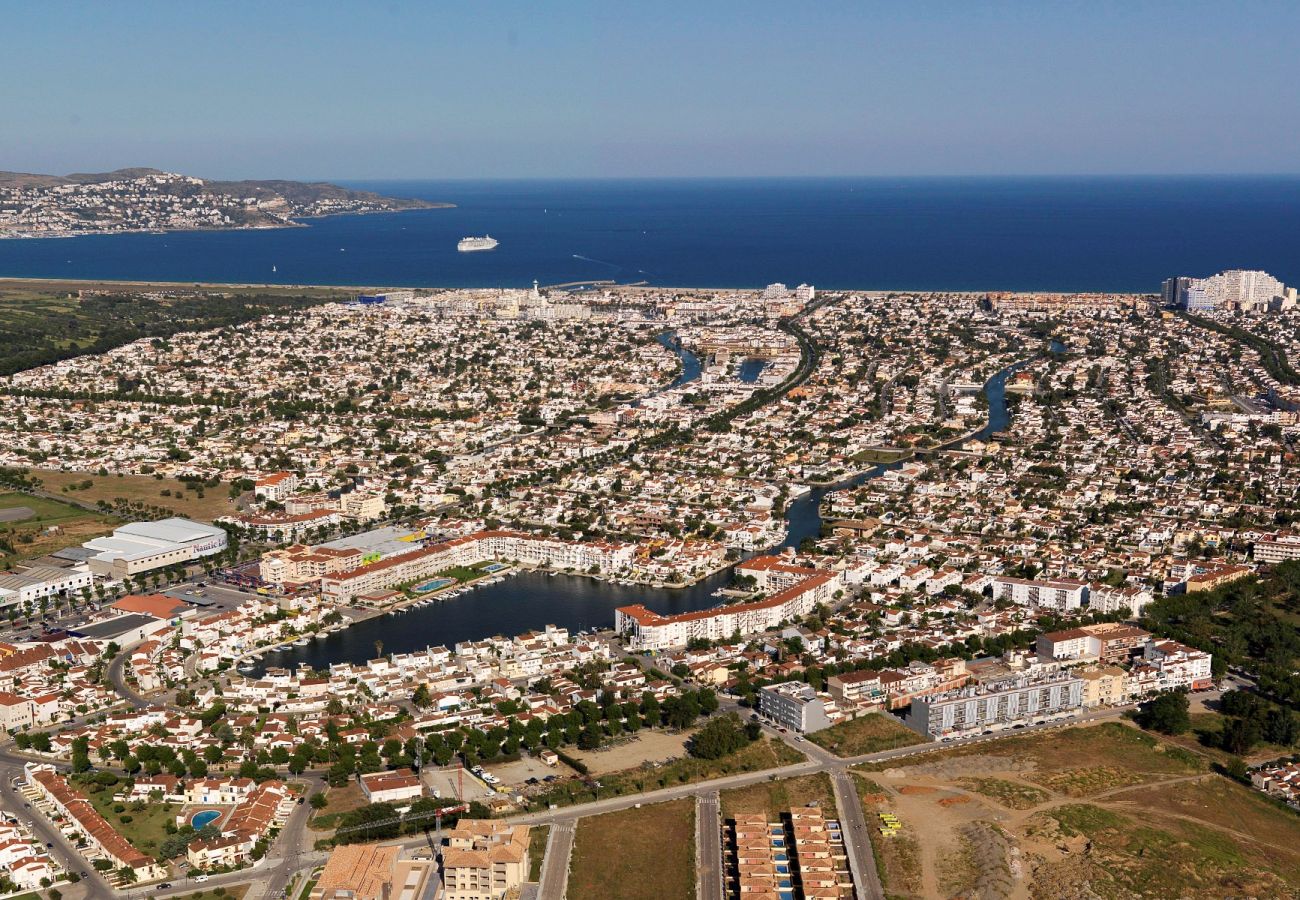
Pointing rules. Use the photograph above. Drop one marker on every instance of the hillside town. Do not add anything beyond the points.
(140, 200)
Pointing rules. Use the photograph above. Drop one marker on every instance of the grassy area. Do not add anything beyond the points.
(761, 754)
(340, 801)
(119, 490)
(140, 822)
(774, 797)
(1161, 856)
(636, 854)
(26, 538)
(1077, 762)
(1011, 794)
(537, 837)
(866, 734)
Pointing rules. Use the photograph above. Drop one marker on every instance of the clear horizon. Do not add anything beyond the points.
(410, 92)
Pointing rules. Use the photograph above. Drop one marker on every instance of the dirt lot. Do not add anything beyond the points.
(647, 746)
(1098, 811)
(446, 783)
(513, 773)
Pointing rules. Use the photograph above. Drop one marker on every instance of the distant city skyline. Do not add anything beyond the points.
(347, 91)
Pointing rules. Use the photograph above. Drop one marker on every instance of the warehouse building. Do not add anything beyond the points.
(146, 546)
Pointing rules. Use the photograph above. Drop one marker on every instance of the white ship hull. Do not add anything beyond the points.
(475, 244)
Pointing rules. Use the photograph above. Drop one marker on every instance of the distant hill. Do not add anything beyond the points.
(143, 199)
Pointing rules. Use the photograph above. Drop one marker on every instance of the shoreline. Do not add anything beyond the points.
(293, 222)
(873, 293)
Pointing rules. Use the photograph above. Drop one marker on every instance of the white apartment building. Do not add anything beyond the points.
(1276, 548)
(1128, 599)
(1021, 700)
(1169, 665)
(1063, 595)
(275, 487)
(648, 630)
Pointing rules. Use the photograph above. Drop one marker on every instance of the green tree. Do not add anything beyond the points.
(1166, 713)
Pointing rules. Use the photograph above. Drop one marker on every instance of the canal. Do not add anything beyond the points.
(531, 600)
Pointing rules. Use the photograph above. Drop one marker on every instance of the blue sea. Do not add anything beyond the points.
(1102, 234)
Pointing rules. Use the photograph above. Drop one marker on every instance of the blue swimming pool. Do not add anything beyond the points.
(433, 585)
(207, 817)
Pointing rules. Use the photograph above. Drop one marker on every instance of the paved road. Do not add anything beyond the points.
(708, 847)
(857, 837)
(555, 866)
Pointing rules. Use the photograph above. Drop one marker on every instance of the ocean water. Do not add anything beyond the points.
(1104, 234)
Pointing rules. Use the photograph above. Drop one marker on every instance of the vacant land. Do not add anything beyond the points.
(636, 854)
(339, 801)
(123, 490)
(43, 526)
(775, 797)
(646, 747)
(761, 754)
(1104, 811)
(867, 734)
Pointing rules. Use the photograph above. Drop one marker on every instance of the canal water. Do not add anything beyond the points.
(531, 600)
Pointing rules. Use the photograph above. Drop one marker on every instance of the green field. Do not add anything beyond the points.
(28, 538)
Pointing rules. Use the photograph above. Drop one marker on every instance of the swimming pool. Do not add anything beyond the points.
(433, 585)
(207, 817)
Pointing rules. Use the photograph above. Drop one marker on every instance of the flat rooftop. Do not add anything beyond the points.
(106, 631)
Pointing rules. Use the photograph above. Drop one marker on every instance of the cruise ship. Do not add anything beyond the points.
(470, 244)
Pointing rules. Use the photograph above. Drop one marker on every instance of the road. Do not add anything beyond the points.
(708, 847)
(857, 837)
(555, 866)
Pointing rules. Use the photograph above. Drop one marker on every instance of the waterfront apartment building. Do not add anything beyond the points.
(998, 705)
(1062, 594)
(794, 705)
(598, 557)
(1242, 289)
(648, 630)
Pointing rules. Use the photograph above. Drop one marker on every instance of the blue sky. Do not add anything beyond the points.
(710, 87)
